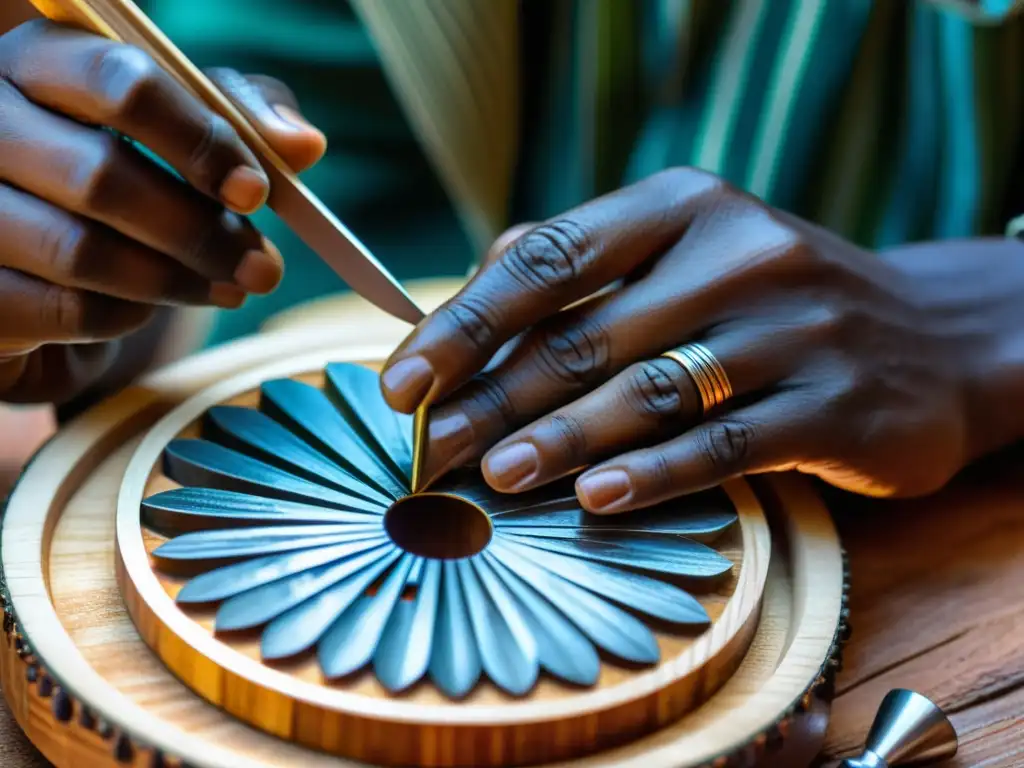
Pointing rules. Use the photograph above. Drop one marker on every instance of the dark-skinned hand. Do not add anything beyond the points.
(882, 373)
(94, 235)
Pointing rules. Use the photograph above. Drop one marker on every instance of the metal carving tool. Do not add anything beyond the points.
(420, 426)
(290, 199)
(908, 730)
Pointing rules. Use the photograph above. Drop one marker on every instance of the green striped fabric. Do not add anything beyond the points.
(887, 121)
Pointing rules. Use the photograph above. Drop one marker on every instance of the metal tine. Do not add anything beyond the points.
(562, 649)
(251, 542)
(189, 509)
(635, 591)
(350, 643)
(403, 655)
(679, 557)
(301, 627)
(508, 650)
(310, 414)
(455, 659)
(234, 579)
(266, 602)
(254, 433)
(355, 392)
(206, 464)
(607, 626)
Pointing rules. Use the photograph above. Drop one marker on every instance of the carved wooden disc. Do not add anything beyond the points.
(307, 581)
(83, 681)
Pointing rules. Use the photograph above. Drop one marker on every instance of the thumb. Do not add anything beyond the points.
(275, 110)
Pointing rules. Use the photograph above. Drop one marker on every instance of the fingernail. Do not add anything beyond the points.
(407, 382)
(512, 467)
(449, 444)
(245, 190)
(605, 491)
(260, 271)
(295, 121)
(227, 296)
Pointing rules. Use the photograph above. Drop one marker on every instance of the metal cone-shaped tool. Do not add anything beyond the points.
(908, 730)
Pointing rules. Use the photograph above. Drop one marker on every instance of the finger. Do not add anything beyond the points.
(646, 403)
(561, 360)
(56, 373)
(92, 173)
(504, 240)
(34, 312)
(776, 433)
(61, 248)
(548, 268)
(101, 82)
(272, 106)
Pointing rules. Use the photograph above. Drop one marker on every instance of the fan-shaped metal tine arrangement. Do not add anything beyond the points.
(206, 464)
(299, 493)
(310, 414)
(374, 421)
(254, 433)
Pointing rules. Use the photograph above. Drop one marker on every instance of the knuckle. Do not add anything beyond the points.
(17, 46)
(62, 310)
(122, 78)
(726, 446)
(827, 322)
(474, 319)
(215, 134)
(650, 391)
(662, 476)
(578, 354)
(570, 436)
(68, 248)
(688, 181)
(489, 396)
(549, 257)
(92, 180)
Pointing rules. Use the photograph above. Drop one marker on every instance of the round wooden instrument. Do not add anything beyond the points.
(223, 566)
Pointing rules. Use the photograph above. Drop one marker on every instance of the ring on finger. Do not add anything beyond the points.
(707, 373)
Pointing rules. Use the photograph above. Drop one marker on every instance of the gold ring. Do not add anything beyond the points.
(707, 373)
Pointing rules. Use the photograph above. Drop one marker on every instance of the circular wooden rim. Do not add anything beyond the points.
(154, 612)
(59, 468)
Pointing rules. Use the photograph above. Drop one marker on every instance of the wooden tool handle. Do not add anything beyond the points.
(122, 20)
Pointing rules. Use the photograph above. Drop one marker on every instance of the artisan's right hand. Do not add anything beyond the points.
(94, 236)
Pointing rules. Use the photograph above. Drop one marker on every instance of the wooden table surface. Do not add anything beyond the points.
(937, 605)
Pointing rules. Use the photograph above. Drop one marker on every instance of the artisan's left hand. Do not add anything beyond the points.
(880, 373)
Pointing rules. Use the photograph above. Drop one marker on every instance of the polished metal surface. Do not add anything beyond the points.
(909, 730)
(284, 515)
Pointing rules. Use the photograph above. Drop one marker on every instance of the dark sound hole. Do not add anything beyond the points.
(438, 526)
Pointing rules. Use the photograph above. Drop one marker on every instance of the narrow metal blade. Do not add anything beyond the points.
(310, 219)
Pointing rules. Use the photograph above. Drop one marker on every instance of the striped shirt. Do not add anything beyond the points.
(889, 121)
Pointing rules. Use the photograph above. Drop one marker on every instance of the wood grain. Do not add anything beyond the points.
(938, 606)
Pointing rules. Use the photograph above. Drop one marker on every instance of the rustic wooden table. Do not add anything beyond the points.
(937, 606)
